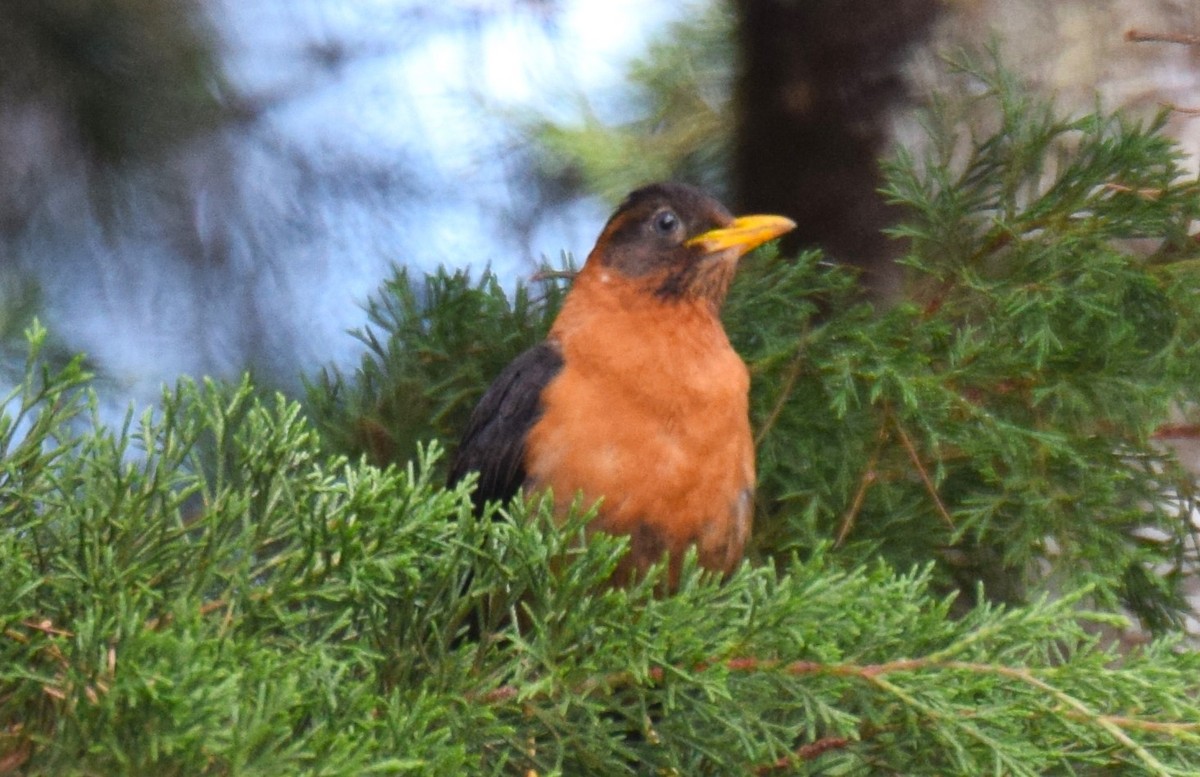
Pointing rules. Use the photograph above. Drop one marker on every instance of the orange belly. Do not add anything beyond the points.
(649, 417)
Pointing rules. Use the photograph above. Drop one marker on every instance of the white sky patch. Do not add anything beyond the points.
(374, 142)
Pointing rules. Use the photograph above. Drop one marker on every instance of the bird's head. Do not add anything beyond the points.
(679, 243)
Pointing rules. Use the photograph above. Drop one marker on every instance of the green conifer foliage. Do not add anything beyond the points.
(224, 586)
(432, 348)
(1000, 421)
(1002, 418)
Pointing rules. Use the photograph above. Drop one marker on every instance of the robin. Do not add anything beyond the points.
(636, 401)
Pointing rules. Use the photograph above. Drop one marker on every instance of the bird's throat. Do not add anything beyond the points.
(649, 414)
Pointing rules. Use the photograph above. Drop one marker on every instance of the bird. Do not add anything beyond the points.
(636, 403)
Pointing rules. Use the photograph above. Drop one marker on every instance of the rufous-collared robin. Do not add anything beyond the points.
(636, 400)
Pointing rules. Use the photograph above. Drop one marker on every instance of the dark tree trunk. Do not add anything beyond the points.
(817, 82)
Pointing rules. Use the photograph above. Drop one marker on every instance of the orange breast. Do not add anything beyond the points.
(649, 414)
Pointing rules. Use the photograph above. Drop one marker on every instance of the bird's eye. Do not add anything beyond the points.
(665, 222)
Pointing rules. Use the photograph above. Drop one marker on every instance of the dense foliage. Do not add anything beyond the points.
(224, 586)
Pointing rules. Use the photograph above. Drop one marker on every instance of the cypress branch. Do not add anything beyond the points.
(948, 501)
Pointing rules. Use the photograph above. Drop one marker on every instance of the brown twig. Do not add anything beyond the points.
(498, 695)
(13, 756)
(869, 476)
(1139, 36)
(789, 383)
(46, 627)
(809, 752)
(1145, 194)
(924, 473)
(553, 275)
(1170, 106)
(154, 624)
(938, 298)
(1176, 432)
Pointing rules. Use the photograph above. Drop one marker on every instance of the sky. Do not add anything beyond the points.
(378, 145)
(381, 142)
(407, 93)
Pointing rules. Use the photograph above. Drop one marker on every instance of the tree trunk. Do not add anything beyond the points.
(816, 85)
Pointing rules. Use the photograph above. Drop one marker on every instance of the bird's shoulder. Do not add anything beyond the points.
(494, 441)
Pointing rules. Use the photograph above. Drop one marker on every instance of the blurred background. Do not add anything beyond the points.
(207, 187)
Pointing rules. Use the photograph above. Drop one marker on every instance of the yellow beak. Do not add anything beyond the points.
(745, 234)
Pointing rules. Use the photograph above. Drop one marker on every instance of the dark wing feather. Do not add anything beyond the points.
(494, 442)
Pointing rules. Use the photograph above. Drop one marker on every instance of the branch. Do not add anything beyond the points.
(1176, 432)
(1138, 36)
(542, 276)
(809, 752)
(785, 392)
(1146, 194)
(1170, 106)
(869, 476)
(1116, 726)
(928, 481)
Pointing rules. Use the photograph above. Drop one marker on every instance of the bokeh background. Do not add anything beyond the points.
(206, 188)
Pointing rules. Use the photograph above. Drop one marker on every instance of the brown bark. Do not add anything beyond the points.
(816, 82)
